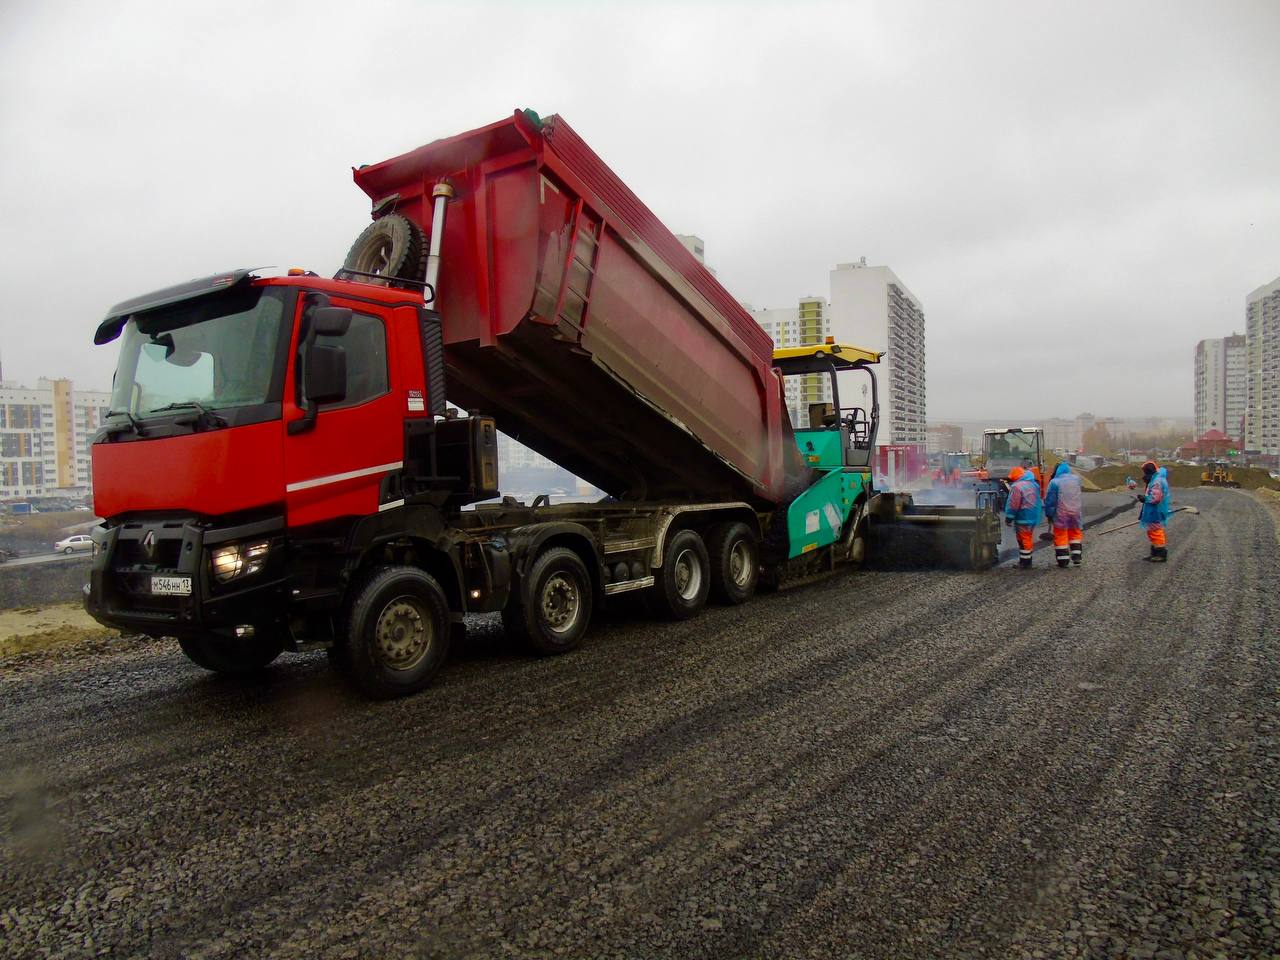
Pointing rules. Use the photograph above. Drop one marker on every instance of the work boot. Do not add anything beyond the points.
(1159, 554)
(1062, 556)
(1025, 563)
(1152, 555)
(1077, 551)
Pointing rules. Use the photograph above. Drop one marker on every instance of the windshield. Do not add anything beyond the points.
(218, 352)
(1013, 449)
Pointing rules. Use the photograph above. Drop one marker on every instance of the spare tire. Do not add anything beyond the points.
(390, 247)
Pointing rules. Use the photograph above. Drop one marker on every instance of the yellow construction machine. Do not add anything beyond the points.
(1217, 475)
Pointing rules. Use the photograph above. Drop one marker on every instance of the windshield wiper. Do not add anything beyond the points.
(134, 423)
(203, 413)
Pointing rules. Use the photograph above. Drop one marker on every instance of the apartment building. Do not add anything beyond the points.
(872, 307)
(513, 455)
(45, 435)
(1220, 381)
(944, 438)
(694, 244)
(806, 323)
(1262, 370)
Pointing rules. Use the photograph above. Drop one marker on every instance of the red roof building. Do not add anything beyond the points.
(1214, 444)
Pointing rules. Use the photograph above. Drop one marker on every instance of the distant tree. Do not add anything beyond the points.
(1168, 440)
(1097, 441)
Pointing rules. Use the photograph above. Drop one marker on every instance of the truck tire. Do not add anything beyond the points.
(735, 562)
(227, 655)
(556, 608)
(397, 634)
(392, 247)
(685, 578)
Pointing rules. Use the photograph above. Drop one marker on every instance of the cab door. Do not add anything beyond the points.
(347, 464)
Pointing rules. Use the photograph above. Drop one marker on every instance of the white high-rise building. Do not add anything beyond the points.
(512, 454)
(872, 308)
(693, 243)
(1262, 371)
(1221, 365)
(869, 307)
(45, 436)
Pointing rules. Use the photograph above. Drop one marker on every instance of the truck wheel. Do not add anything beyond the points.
(228, 655)
(557, 603)
(397, 632)
(683, 581)
(391, 247)
(735, 562)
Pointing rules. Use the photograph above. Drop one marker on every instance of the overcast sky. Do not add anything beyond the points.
(1077, 192)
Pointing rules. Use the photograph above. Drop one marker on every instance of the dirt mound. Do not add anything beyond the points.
(29, 629)
(1180, 475)
(93, 639)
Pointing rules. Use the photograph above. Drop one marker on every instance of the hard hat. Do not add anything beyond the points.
(1016, 473)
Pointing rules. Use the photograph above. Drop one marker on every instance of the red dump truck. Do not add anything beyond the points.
(280, 471)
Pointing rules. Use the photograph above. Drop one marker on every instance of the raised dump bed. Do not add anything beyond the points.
(581, 323)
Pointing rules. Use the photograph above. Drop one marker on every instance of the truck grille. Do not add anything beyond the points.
(164, 555)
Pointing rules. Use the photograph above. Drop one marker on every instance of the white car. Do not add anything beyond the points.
(72, 544)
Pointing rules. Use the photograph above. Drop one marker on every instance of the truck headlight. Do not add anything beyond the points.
(239, 559)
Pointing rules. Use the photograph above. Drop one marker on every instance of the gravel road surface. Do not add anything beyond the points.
(887, 764)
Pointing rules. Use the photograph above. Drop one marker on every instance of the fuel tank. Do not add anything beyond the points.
(577, 320)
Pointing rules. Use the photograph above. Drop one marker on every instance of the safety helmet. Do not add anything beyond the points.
(1150, 467)
(1016, 474)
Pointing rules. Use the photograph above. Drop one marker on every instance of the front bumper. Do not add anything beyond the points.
(129, 554)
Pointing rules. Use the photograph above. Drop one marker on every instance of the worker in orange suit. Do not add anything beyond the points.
(1064, 506)
(1022, 511)
(1155, 509)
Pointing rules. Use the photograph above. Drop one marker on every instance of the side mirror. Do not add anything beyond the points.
(323, 368)
(326, 377)
(330, 321)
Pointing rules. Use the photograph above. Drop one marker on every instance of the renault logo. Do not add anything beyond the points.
(149, 544)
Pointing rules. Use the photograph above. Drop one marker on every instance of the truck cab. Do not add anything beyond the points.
(264, 434)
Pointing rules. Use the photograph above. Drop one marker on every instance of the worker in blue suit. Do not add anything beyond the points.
(1022, 511)
(1155, 510)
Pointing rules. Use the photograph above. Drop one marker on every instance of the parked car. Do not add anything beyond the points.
(71, 544)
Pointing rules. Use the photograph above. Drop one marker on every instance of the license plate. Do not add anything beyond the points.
(171, 586)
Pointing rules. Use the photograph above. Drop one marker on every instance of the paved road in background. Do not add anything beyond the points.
(43, 558)
(886, 764)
